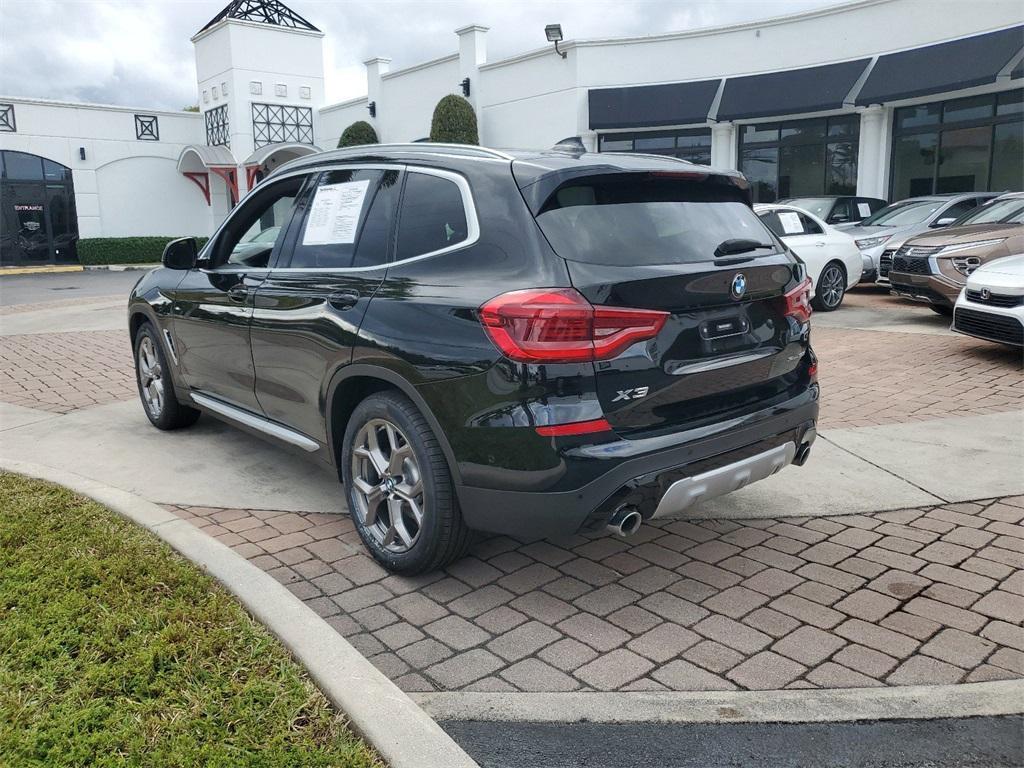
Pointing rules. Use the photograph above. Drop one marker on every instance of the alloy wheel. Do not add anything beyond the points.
(831, 286)
(387, 485)
(151, 383)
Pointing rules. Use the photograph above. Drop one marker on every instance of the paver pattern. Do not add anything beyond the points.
(918, 596)
(62, 372)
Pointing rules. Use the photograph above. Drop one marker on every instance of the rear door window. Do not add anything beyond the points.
(433, 216)
(633, 219)
(337, 212)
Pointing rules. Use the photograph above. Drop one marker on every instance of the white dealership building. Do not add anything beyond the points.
(880, 98)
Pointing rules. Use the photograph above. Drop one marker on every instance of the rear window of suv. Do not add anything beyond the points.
(636, 219)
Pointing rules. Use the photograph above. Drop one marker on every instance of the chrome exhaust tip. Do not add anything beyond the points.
(625, 521)
(803, 451)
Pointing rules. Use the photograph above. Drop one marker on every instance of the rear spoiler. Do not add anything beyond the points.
(538, 191)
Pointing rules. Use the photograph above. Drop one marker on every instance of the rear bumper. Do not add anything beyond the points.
(640, 472)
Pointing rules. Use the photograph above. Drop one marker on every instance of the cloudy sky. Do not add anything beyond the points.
(137, 53)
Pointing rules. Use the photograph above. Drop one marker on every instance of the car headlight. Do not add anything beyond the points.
(870, 242)
(968, 246)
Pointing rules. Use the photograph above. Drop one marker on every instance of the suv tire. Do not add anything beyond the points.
(399, 487)
(156, 389)
(831, 288)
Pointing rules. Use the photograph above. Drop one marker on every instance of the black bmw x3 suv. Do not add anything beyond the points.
(527, 343)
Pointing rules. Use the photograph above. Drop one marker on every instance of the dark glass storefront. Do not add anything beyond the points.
(964, 145)
(693, 145)
(37, 202)
(800, 158)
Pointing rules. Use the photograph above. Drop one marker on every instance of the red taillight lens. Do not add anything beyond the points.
(575, 428)
(558, 325)
(798, 302)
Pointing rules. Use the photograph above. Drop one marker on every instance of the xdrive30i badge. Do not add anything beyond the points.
(739, 286)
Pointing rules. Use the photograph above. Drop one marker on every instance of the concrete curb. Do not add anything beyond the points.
(403, 734)
(40, 270)
(119, 267)
(916, 702)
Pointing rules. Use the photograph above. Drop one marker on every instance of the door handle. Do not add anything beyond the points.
(819, 245)
(343, 299)
(238, 293)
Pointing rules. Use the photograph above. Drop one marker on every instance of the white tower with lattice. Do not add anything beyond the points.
(260, 73)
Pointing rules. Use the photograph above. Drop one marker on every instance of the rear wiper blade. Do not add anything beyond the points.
(739, 245)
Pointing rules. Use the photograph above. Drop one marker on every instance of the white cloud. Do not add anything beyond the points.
(139, 54)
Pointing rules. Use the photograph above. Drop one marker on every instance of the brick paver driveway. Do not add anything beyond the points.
(927, 595)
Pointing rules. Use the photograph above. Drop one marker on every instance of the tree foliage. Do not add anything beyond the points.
(360, 132)
(454, 121)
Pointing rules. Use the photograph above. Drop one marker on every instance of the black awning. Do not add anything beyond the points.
(647, 106)
(793, 91)
(950, 66)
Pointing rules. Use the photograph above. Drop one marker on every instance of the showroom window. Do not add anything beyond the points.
(693, 145)
(800, 158)
(965, 145)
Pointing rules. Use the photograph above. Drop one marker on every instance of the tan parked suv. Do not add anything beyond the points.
(933, 268)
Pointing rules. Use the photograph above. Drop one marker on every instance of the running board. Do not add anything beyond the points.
(258, 423)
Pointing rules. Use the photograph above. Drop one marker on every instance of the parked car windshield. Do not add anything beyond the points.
(902, 214)
(619, 220)
(819, 206)
(1010, 211)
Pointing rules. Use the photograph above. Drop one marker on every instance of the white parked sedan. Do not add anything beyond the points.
(833, 260)
(991, 305)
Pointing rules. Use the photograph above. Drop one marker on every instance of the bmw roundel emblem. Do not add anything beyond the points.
(739, 286)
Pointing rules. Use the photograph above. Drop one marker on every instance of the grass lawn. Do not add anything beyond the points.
(115, 651)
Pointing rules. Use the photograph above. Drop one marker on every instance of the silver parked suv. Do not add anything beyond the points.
(879, 236)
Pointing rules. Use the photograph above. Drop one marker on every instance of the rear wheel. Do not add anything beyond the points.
(399, 488)
(156, 390)
(941, 309)
(831, 287)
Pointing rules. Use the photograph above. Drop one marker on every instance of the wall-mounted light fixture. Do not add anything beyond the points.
(81, 153)
(372, 106)
(465, 87)
(553, 32)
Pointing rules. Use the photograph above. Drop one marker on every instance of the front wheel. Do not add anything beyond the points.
(399, 488)
(831, 287)
(156, 390)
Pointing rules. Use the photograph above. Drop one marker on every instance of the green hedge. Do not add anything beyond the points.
(357, 134)
(454, 121)
(124, 250)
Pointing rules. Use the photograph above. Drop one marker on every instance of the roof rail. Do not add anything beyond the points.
(425, 146)
(659, 157)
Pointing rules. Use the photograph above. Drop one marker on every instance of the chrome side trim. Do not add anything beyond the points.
(683, 494)
(284, 434)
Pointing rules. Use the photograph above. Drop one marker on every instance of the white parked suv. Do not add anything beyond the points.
(991, 306)
(833, 260)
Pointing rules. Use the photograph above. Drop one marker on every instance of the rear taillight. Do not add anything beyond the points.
(798, 302)
(558, 325)
(575, 428)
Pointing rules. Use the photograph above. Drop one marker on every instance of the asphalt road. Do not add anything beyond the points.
(989, 742)
(56, 286)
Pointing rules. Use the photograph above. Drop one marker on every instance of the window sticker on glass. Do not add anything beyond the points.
(864, 209)
(790, 221)
(334, 215)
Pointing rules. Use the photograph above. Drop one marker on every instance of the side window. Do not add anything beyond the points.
(337, 207)
(810, 226)
(842, 211)
(785, 223)
(250, 235)
(771, 220)
(375, 236)
(433, 216)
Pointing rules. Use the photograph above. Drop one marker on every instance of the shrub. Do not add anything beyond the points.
(124, 250)
(360, 132)
(454, 121)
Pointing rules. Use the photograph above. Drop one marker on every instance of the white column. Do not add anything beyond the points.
(374, 92)
(472, 54)
(872, 154)
(723, 146)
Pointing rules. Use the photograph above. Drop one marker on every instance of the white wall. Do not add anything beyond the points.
(408, 98)
(58, 130)
(337, 117)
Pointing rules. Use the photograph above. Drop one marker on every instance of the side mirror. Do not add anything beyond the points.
(945, 221)
(181, 253)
